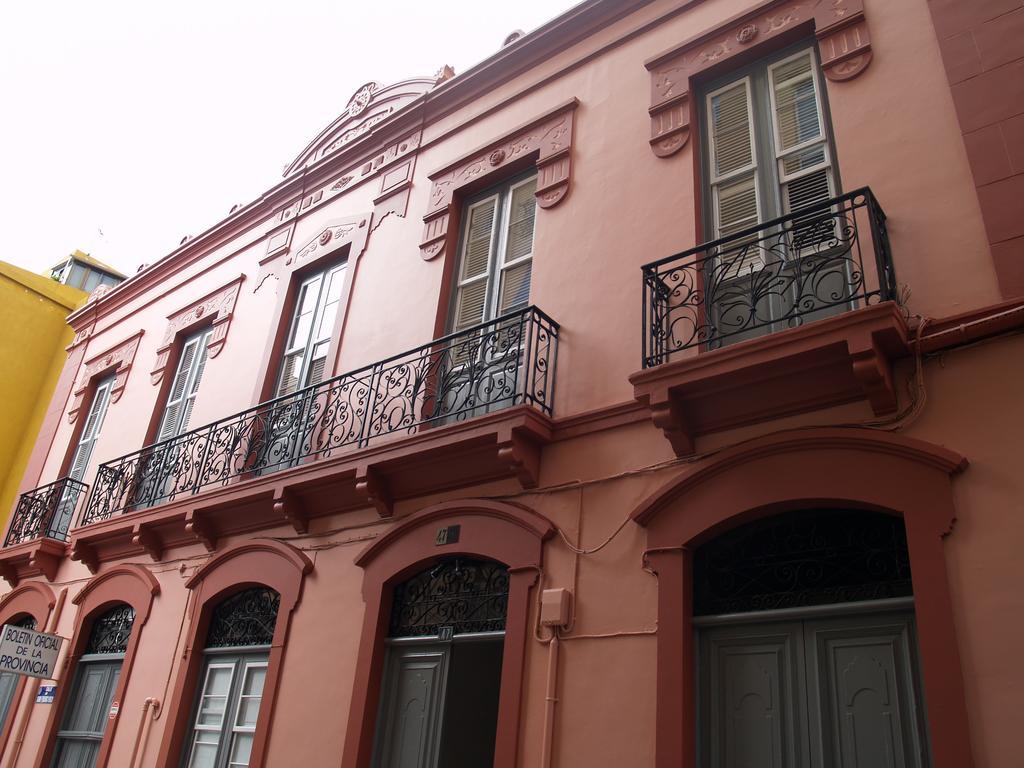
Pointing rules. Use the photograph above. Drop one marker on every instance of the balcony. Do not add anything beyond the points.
(469, 407)
(794, 314)
(39, 528)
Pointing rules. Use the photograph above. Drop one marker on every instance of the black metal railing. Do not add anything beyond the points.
(794, 269)
(494, 365)
(45, 511)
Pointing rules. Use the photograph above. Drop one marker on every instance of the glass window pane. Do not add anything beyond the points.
(241, 748)
(204, 754)
(515, 288)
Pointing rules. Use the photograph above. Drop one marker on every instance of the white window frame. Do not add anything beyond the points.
(309, 343)
(497, 264)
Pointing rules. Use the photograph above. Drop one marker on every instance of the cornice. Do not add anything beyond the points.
(560, 33)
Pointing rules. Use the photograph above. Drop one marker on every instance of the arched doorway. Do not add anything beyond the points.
(442, 672)
(92, 692)
(806, 643)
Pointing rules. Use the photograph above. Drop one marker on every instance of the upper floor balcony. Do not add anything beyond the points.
(363, 438)
(39, 527)
(793, 314)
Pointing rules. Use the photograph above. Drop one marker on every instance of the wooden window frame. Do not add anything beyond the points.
(508, 534)
(849, 469)
(257, 563)
(128, 584)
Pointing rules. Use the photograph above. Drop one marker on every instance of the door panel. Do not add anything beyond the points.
(751, 702)
(413, 696)
(85, 719)
(863, 692)
(829, 693)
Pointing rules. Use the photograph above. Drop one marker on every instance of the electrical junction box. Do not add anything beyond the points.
(555, 607)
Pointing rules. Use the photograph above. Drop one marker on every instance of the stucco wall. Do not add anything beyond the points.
(895, 130)
(33, 312)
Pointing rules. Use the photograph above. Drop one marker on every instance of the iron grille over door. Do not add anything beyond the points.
(810, 557)
(465, 595)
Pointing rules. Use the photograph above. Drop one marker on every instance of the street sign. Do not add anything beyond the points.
(46, 694)
(26, 652)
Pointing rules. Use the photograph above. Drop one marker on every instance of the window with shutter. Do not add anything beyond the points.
(767, 155)
(91, 429)
(774, 110)
(309, 335)
(496, 254)
(185, 385)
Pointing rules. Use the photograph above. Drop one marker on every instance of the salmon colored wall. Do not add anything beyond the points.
(625, 207)
(33, 311)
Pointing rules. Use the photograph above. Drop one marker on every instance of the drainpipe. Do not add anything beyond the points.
(33, 687)
(550, 699)
(143, 731)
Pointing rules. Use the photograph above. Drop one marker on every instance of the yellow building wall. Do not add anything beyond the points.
(33, 338)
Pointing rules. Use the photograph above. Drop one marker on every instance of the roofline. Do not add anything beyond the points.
(561, 33)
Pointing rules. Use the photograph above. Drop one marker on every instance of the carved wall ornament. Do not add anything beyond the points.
(361, 99)
(118, 358)
(548, 137)
(839, 26)
(746, 34)
(353, 230)
(220, 304)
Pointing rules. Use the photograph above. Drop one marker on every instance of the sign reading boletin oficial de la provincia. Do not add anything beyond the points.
(26, 652)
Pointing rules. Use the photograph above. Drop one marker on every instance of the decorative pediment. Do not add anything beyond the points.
(369, 106)
(839, 26)
(119, 359)
(219, 305)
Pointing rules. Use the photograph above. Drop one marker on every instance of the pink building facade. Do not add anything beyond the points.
(646, 395)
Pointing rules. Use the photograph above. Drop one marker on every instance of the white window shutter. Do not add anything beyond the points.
(91, 429)
(518, 261)
(471, 298)
(184, 387)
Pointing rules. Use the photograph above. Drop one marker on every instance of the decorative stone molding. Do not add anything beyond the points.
(839, 26)
(353, 230)
(120, 358)
(548, 138)
(220, 305)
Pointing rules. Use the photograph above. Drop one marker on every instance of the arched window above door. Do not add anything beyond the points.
(802, 558)
(464, 594)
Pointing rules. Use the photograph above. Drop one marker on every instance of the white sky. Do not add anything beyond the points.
(147, 121)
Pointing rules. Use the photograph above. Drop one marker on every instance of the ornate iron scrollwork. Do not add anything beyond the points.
(505, 362)
(466, 595)
(28, 621)
(810, 557)
(112, 630)
(826, 258)
(46, 511)
(245, 619)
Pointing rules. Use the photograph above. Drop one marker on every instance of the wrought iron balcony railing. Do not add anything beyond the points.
(794, 269)
(45, 512)
(494, 365)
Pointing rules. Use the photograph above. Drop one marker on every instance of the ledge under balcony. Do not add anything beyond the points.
(38, 531)
(792, 315)
(467, 408)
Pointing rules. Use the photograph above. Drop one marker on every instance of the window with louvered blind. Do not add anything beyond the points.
(495, 255)
(182, 394)
(768, 152)
(309, 335)
(91, 429)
